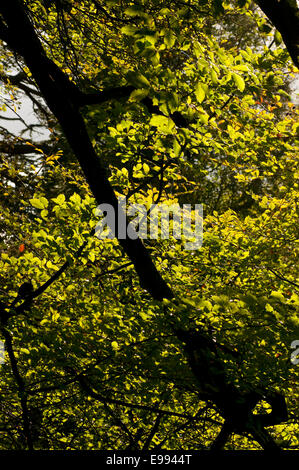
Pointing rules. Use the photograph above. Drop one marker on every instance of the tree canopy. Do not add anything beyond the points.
(130, 343)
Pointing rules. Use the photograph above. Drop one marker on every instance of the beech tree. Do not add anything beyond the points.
(142, 344)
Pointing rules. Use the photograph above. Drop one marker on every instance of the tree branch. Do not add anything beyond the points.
(282, 278)
(100, 97)
(90, 392)
(21, 387)
(24, 148)
(20, 309)
(62, 97)
(223, 436)
(284, 14)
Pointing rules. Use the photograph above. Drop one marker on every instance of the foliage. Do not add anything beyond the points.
(205, 121)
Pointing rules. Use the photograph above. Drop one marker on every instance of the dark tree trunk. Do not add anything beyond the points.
(63, 98)
(284, 15)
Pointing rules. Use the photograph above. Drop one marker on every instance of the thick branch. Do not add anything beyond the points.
(105, 95)
(21, 387)
(236, 407)
(124, 92)
(13, 79)
(223, 436)
(62, 97)
(284, 14)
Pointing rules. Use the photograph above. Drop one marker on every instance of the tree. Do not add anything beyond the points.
(175, 113)
(284, 15)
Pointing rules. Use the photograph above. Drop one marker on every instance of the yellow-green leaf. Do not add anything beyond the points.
(239, 81)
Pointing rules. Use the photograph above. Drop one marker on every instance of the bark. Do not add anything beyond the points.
(222, 437)
(235, 406)
(63, 98)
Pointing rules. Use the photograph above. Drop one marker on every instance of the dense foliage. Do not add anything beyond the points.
(183, 102)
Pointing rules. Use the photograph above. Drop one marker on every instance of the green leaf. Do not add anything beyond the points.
(25, 350)
(76, 198)
(59, 199)
(203, 116)
(277, 37)
(128, 30)
(176, 148)
(199, 93)
(169, 38)
(40, 203)
(137, 79)
(139, 94)
(239, 81)
(163, 123)
(214, 77)
(146, 168)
